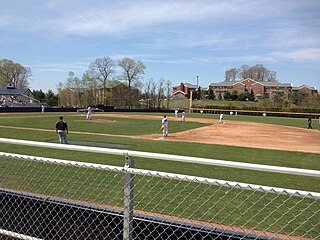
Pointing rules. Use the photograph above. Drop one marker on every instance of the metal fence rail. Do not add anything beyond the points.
(43, 198)
(167, 157)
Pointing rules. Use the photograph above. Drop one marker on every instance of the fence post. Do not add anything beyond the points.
(128, 200)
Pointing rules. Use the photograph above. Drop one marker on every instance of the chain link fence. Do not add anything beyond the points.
(43, 198)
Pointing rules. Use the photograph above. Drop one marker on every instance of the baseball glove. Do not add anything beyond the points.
(161, 128)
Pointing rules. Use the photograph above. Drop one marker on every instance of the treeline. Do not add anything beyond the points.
(117, 83)
(257, 72)
(233, 96)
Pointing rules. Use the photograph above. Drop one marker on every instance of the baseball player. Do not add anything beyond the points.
(164, 126)
(62, 130)
(176, 113)
(183, 116)
(89, 113)
(309, 123)
(221, 118)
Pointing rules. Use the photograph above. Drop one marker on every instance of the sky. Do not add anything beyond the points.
(177, 40)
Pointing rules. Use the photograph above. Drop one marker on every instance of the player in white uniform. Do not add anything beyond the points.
(164, 126)
(89, 113)
(183, 116)
(221, 118)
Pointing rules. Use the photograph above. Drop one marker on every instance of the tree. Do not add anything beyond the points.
(51, 98)
(278, 100)
(161, 88)
(169, 90)
(251, 96)
(243, 72)
(242, 96)
(90, 88)
(75, 84)
(39, 95)
(147, 92)
(102, 69)
(230, 74)
(211, 95)
(257, 72)
(227, 96)
(234, 95)
(14, 74)
(131, 72)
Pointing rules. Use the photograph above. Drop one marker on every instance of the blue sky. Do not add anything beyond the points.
(176, 39)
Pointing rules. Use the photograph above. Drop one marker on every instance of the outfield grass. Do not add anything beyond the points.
(112, 125)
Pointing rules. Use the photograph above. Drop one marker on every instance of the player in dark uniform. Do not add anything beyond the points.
(309, 123)
(62, 130)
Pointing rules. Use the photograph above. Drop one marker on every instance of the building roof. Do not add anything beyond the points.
(265, 83)
(179, 91)
(276, 84)
(113, 83)
(304, 86)
(224, 83)
(13, 91)
(188, 85)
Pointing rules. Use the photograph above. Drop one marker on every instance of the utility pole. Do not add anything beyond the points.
(197, 81)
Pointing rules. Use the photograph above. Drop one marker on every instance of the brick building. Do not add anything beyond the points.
(260, 89)
(306, 90)
(183, 91)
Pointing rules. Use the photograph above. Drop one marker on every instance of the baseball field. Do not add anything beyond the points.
(262, 140)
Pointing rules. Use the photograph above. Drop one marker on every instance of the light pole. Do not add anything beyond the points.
(197, 81)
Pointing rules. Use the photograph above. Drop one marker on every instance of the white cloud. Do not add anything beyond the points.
(96, 17)
(60, 67)
(299, 55)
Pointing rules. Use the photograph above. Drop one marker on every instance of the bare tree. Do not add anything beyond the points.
(257, 72)
(230, 74)
(161, 88)
(154, 96)
(147, 92)
(243, 72)
(90, 86)
(102, 69)
(74, 83)
(131, 72)
(14, 73)
(169, 91)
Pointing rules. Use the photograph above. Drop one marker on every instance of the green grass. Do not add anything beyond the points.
(240, 154)
(201, 202)
(152, 195)
(119, 126)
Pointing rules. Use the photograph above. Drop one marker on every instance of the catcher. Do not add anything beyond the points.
(164, 126)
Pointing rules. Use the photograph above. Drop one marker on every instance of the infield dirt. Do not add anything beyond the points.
(237, 133)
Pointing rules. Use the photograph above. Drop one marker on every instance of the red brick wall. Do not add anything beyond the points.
(240, 88)
(258, 89)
